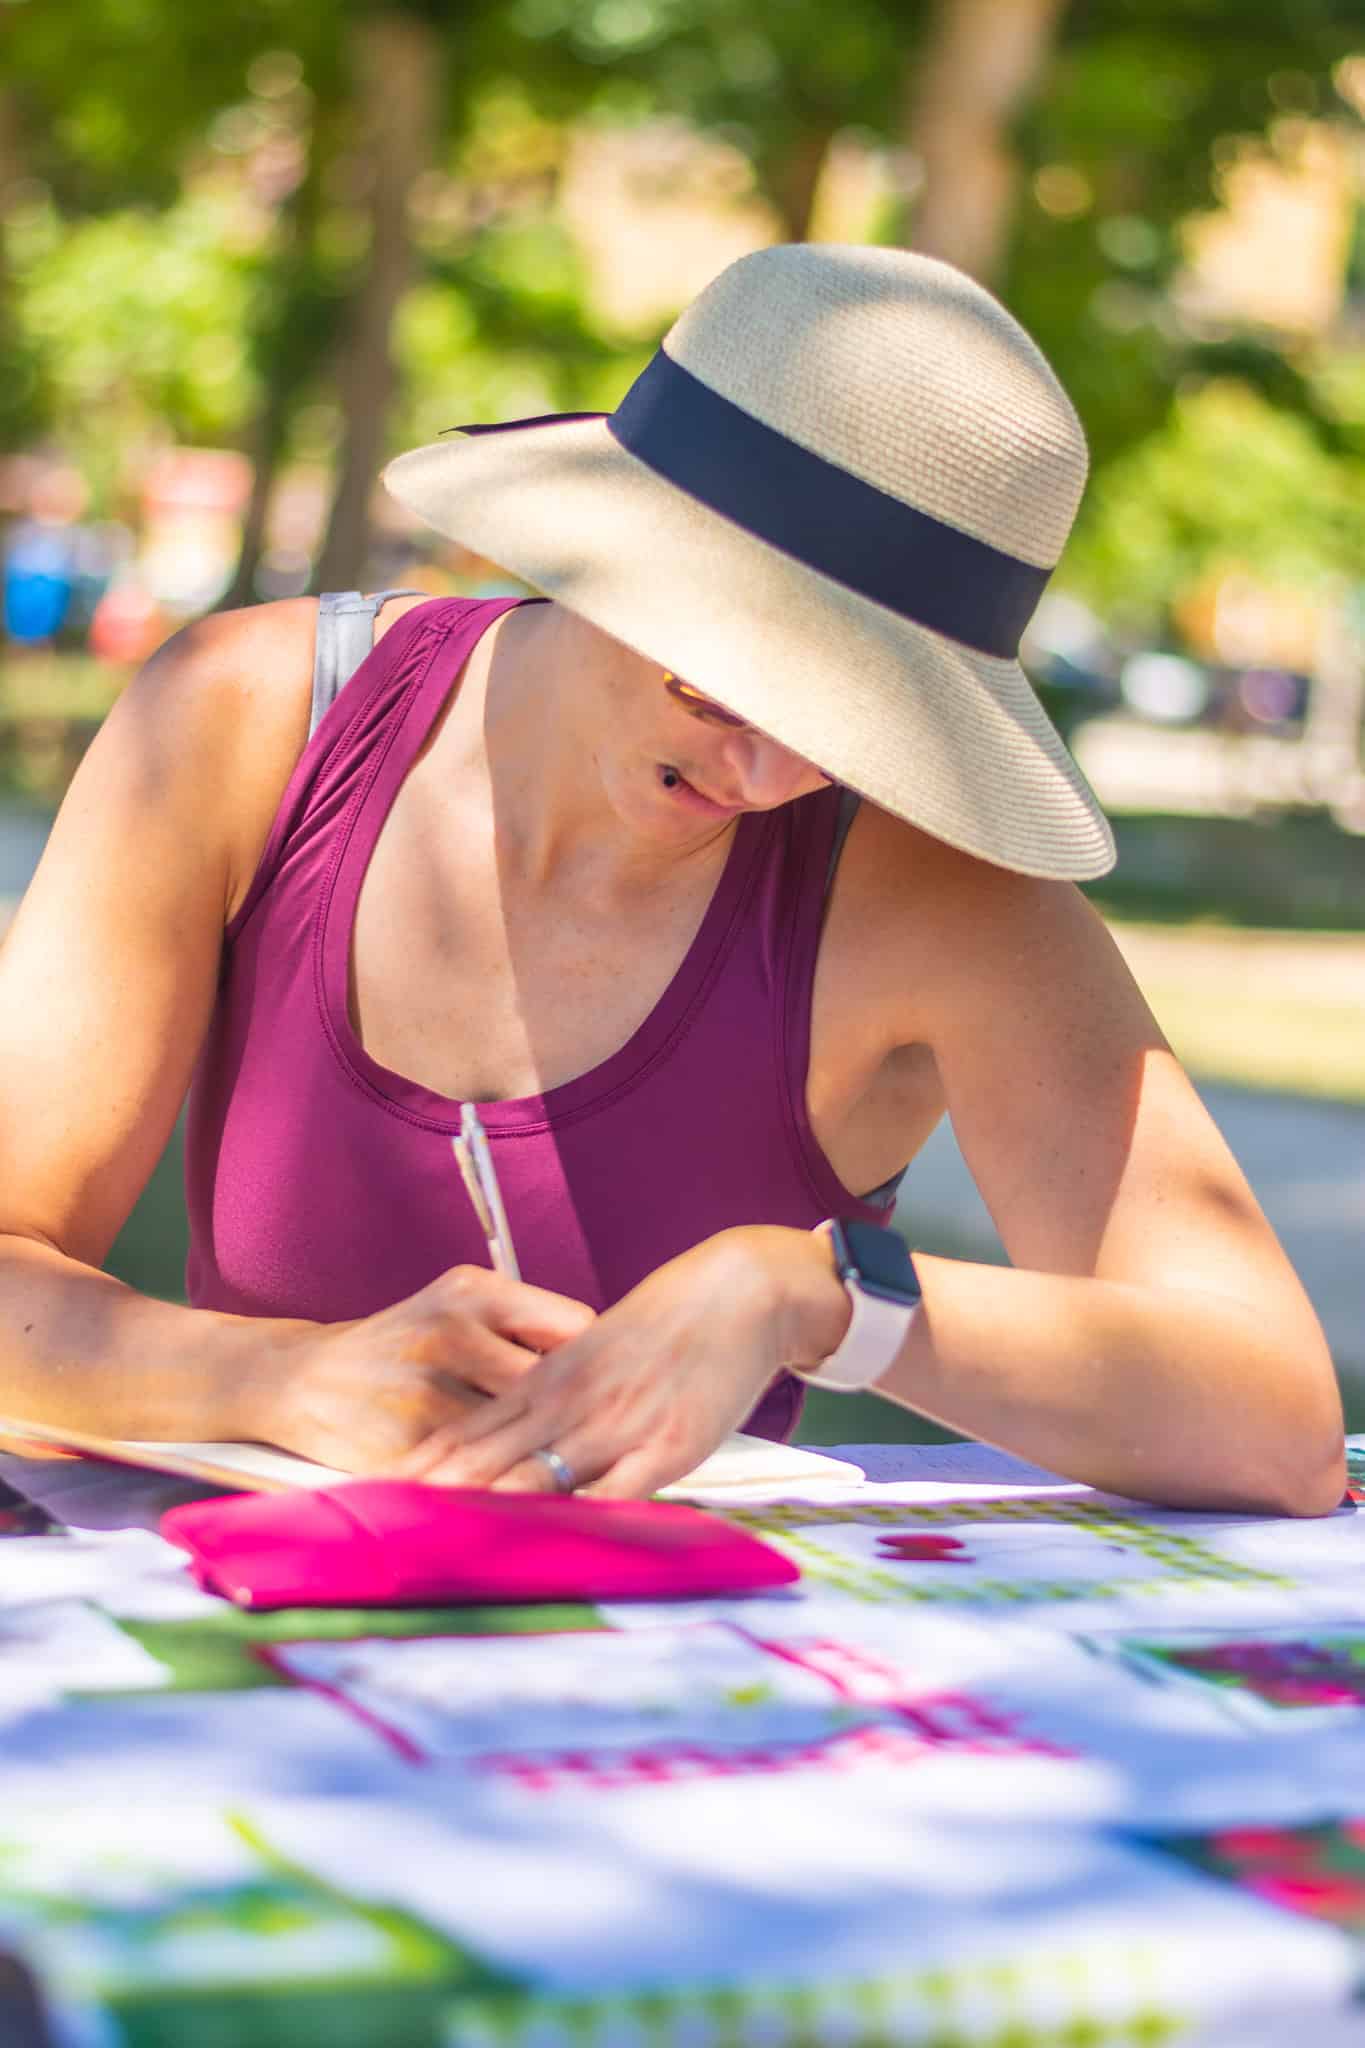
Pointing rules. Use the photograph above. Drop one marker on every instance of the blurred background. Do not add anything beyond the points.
(247, 254)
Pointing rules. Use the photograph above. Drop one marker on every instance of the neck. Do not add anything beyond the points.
(540, 705)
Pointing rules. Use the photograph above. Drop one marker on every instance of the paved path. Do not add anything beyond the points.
(23, 835)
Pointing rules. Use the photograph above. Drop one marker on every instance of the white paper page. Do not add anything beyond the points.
(450, 1696)
(742, 1461)
(963, 1471)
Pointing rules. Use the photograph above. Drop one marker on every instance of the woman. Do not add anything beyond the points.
(580, 861)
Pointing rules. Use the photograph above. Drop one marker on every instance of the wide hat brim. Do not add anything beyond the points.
(952, 740)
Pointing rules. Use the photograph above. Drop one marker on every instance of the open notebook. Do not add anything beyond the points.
(741, 1466)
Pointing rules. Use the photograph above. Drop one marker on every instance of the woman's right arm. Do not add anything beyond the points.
(107, 982)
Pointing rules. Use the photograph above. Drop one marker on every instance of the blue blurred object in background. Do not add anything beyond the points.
(39, 577)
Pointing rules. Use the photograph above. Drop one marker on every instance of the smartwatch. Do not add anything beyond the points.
(876, 1267)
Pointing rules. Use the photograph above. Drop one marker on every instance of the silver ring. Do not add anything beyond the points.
(559, 1469)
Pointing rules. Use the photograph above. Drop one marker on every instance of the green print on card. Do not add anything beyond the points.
(992, 2004)
(217, 1652)
(1284, 1672)
(1177, 1560)
(1318, 1871)
(269, 1954)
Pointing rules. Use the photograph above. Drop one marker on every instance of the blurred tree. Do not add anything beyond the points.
(392, 261)
(397, 60)
(138, 321)
(1206, 496)
(326, 117)
(781, 82)
(981, 64)
(1144, 102)
(295, 298)
(107, 102)
(1109, 118)
(112, 95)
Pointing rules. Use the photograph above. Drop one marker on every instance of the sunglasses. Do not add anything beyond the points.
(700, 705)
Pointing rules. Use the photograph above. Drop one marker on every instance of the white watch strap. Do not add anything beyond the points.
(872, 1339)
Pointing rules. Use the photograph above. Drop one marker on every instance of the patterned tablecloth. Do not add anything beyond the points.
(1017, 1765)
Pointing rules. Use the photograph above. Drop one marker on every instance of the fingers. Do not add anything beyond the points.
(634, 1477)
(450, 1440)
(534, 1474)
(532, 1316)
(492, 1329)
(502, 1453)
(488, 1329)
(466, 1454)
(481, 1360)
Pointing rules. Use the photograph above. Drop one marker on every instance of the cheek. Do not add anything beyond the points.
(781, 774)
(804, 776)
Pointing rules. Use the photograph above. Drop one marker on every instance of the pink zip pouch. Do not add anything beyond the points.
(398, 1543)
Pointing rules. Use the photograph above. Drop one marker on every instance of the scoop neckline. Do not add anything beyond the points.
(360, 835)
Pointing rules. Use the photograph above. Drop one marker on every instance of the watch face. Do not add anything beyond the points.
(877, 1259)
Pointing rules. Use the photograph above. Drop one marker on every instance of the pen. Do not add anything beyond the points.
(475, 1161)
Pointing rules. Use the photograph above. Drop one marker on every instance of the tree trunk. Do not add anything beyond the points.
(798, 178)
(397, 71)
(286, 348)
(981, 61)
(265, 445)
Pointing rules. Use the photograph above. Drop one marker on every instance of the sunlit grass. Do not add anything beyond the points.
(72, 686)
(1282, 1011)
(1291, 1046)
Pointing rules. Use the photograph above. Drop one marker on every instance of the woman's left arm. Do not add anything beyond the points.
(1150, 1338)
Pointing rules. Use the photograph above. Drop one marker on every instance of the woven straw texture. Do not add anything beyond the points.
(907, 374)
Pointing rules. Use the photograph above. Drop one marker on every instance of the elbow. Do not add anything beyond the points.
(1317, 1488)
(1306, 1474)
(1300, 1433)
(1295, 1469)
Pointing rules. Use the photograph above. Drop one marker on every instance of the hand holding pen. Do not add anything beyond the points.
(476, 1166)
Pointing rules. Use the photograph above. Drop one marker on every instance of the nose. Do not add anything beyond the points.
(764, 773)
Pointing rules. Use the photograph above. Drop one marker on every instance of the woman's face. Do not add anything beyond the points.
(673, 761)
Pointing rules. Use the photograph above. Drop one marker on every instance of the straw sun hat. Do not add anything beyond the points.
(831, 501)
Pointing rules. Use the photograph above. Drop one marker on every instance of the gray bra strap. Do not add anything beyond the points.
(849, 801)
(888, 1190)
(345, 635)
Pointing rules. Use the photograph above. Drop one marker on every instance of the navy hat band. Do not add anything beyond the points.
(823, 516)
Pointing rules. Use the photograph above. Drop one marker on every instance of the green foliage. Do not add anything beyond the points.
(1141, 103)
(1228, 481)
(771, 80)
(138, 318)
(112, 94)
(502, 333)
(161, 272)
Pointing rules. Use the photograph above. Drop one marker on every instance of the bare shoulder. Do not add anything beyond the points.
(109, 972)
(216, 720)
(932, 934)
(220, 717)
(246, 670)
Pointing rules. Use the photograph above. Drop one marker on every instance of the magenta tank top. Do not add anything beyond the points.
(321, 1185)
